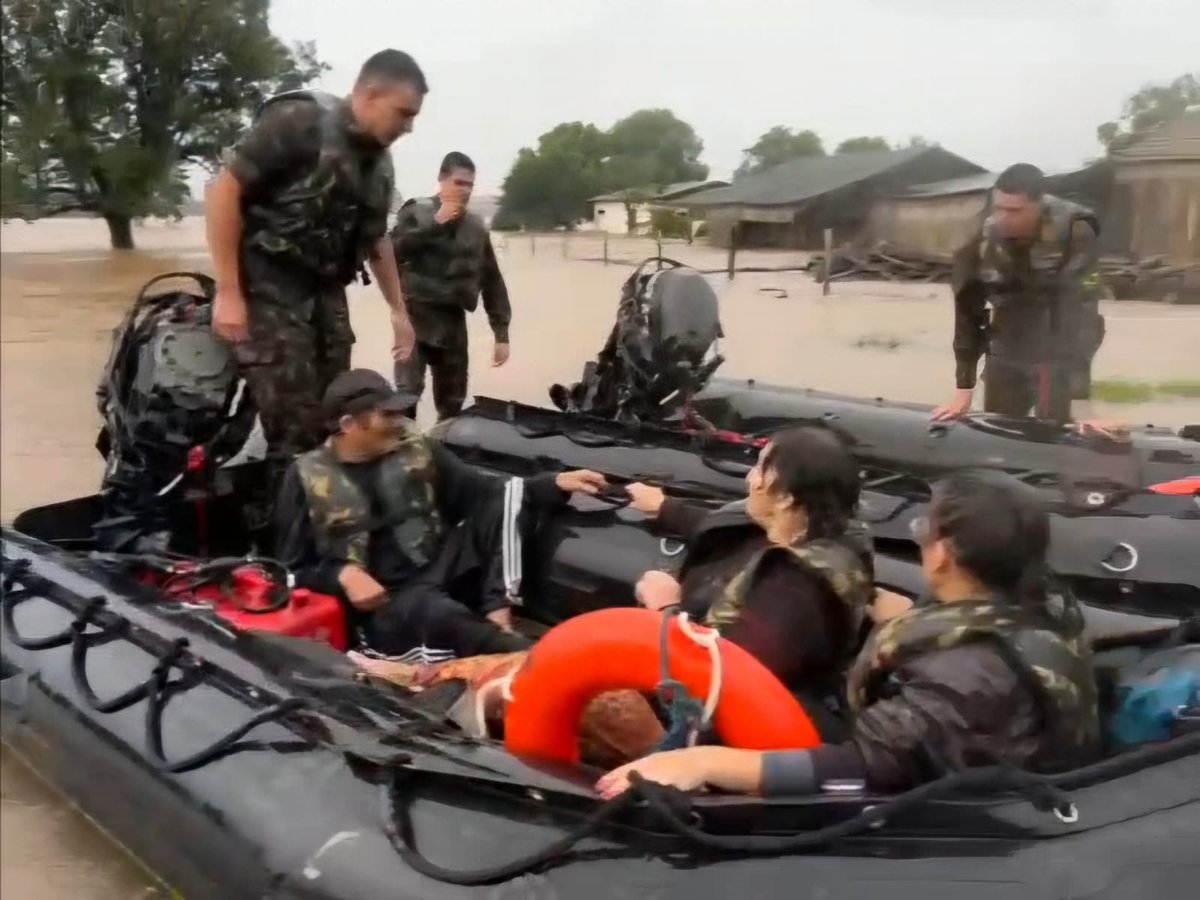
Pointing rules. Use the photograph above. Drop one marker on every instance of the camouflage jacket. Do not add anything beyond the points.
(953, 685)
(839, 565)
(1044, 294)
(343, 517)
(316, 188)
(722, 567)
(445, 267)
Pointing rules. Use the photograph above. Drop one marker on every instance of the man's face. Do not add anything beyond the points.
(373, 434)
(1016, 216)
(387, 109)
(457, 183)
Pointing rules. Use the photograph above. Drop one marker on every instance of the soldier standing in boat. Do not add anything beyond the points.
(446, 261)
(302, 205)
(1035, 263)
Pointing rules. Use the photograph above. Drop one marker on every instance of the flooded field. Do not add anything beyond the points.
(62, 292)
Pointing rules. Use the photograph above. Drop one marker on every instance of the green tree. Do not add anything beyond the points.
(651, 149)
(777, 146)
(1148, 108)
(106, 103)
(863, 145)
(549, 186)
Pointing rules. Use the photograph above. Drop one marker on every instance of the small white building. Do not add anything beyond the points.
(610, 212)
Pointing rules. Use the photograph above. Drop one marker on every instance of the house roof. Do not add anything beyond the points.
(968, 184)
(808, 177)
(670, 192)
(1174, 140)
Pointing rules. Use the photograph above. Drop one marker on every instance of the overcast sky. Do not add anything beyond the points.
(995, 81)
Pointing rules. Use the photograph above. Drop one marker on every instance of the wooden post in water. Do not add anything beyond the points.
(606, 248)
(658, 244)
(733, 241)
(564, 247)
(532, 245)
(828, 262)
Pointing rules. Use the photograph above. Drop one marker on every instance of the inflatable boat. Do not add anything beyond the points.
(211, 722)
(222, 736)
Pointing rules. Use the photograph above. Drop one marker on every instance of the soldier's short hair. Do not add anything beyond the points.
(395, 66)
(455, 160)
(1022, 178)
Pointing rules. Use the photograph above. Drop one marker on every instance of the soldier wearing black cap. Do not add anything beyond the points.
(424, 550)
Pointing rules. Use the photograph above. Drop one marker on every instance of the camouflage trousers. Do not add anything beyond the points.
(1020, 389)
(447, 361)
(287, 364)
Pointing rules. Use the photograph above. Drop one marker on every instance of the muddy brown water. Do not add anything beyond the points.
(62, 292)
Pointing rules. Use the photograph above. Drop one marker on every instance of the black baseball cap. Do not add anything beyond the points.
(363, 390)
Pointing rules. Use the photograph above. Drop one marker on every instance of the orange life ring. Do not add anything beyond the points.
(616, 649)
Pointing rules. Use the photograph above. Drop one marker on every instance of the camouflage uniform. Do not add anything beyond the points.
(342, 518)
(316, 191)
(836, 563)
(444, 268)
(1045, 325)
(972, 683)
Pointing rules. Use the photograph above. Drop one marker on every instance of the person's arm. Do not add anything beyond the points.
(294, 543)
(950, 706)
(681, 518)
(382, 261)
(495, 294)
(223, 226)
(413, 232)
(788, 621)
(970, 320)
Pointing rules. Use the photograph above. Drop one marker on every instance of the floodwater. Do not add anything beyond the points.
(62, 291)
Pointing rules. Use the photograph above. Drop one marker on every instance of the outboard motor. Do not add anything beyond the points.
(174, 410)
(655, 358)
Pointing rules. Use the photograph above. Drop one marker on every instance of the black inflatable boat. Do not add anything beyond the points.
(236, 762)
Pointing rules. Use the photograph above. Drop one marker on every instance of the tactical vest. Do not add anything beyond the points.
(1031, 318)
(440, 264)
(836, 563)
(343, 517)
(324, 220)
(1050, 654)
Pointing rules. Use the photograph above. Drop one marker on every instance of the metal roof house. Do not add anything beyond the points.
(610, 211)
(791, 204)
(1156, 202)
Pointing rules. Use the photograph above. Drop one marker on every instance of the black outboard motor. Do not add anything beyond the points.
(655, 358)
(174, 410)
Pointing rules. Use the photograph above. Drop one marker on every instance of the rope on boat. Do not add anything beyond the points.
(677, 812)
(158, 688)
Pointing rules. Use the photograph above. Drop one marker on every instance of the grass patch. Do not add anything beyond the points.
(1121, 391)
(1181, 388)
(879, 342)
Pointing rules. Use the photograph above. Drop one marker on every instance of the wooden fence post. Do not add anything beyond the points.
(828, 262)
(733, 241)
(606, 248)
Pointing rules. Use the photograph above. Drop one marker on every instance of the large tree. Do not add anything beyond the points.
(549, 186)
(106, 103)
(1148, 108)
(777, 146)
(863, 145)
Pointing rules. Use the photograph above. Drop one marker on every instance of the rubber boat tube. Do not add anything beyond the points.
(1092, 471)
(1141, 563)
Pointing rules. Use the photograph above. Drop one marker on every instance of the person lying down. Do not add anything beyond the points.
(617, 726)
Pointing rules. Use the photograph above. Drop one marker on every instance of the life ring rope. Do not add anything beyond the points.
(707, 639)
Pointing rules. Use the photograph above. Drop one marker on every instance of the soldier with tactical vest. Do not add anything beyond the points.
(1035, 263)
(788, 574)
(446, 261)
(424, 551)
(997, 670)
(302, 205)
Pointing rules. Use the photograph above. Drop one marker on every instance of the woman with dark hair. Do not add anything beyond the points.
(787, 574)
(997, 670)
